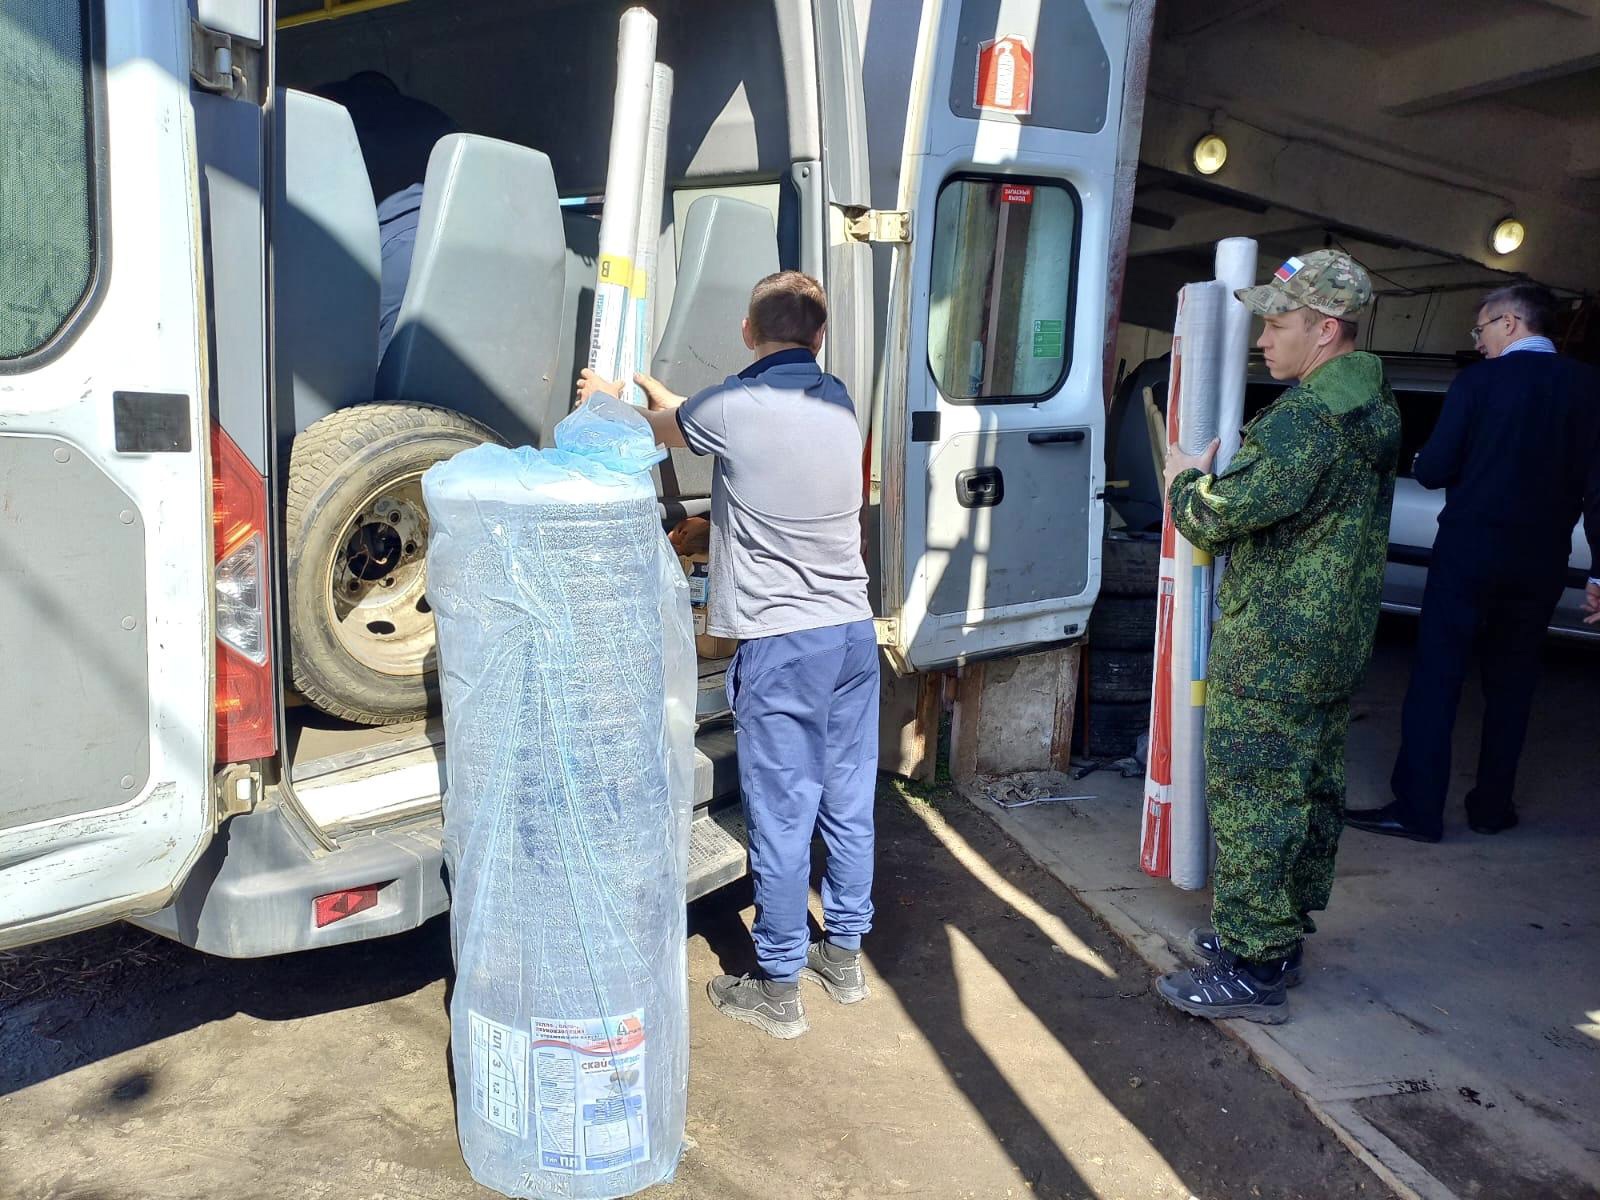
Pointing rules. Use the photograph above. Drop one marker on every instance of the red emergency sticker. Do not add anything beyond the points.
(1004, 80)
(1016, 193)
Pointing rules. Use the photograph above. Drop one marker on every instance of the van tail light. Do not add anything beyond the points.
(246, 722)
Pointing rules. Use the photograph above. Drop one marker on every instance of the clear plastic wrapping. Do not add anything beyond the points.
(568, 671)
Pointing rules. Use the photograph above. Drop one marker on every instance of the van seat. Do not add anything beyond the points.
(479, 330)
(728, 246)
(325, 252)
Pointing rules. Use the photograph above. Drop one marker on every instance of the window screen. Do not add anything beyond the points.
(1000, 309)
(47, 237)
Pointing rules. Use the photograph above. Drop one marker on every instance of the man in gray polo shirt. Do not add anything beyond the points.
(787, 580)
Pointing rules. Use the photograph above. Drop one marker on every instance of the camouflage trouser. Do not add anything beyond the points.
(1275, 787)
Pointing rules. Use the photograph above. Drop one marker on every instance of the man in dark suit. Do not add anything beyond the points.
(1517, 449)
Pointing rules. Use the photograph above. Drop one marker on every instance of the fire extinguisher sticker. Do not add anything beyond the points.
(1004, 79)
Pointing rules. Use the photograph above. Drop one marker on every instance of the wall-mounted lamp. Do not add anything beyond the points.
(1508, 236)
(1210, 153)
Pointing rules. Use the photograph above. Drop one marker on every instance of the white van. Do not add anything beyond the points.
(219, 715)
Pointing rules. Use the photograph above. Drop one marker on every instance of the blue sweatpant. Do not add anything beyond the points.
(806, 709)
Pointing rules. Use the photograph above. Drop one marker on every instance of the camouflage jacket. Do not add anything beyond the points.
(1302, 512)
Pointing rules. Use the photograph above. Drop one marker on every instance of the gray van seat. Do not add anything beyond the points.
(479, 329)
(582, 236)
(728, 245)
(325, 251)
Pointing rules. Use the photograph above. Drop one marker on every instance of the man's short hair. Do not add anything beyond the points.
(788, 307)
(1534, 304)
(1349, 329)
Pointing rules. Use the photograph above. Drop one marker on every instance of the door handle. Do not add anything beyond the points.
(1055, 437)
(980, 487)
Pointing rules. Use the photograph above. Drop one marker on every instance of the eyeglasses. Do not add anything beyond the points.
(1477, 330)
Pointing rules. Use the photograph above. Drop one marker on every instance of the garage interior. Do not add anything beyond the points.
(1450, 1029)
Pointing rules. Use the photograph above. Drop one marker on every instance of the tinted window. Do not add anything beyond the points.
(1000, 309)
(47, 234)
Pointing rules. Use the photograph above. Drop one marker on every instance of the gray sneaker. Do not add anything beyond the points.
(1205, 941)
(771, 1007)
(836, 969)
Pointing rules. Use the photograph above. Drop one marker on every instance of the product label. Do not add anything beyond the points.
(499, 1074)
(589, 1093)
(699, 586)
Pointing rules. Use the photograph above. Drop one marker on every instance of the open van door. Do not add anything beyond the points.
(990, 454)
(106, 540)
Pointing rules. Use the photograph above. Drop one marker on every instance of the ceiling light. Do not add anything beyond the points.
(1507, 237)
(1210, 153)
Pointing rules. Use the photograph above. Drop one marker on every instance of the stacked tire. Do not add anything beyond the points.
(1121, 651)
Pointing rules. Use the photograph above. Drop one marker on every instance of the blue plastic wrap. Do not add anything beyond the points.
(568, 672)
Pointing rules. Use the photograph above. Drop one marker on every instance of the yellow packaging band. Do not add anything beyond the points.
(617, 269)
(641, 283)
(1197, 693)
(1202, 558)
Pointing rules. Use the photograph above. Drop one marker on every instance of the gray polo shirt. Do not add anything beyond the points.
(785, 498)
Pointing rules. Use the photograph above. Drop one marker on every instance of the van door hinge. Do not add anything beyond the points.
(227, 65)
(887, 629)
(877, 225)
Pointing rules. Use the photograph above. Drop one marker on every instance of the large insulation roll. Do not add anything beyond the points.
(568, 672)
(1175, 834)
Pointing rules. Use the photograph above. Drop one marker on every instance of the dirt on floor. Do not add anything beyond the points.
(1010, 1047)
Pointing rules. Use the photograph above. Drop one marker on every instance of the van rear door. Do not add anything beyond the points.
(105, 511)
(989, 473)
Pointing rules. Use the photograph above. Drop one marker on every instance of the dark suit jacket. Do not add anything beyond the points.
(1517, 449)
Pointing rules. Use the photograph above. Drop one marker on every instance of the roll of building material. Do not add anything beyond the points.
(639, 339)
(619, 219)
(1236, 268)
(1175, 835)
(568, 673)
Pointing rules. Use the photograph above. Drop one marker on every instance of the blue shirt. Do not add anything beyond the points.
(1535, 343)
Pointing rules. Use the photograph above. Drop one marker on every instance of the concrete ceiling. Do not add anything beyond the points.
(1421, 123)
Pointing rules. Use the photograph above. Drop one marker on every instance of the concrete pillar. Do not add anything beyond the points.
(1015, 714)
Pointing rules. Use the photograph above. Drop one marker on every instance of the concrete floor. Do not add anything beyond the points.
(1450, 1020)
(1011, 1048)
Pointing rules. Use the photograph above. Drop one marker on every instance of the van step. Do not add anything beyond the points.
(717, 849)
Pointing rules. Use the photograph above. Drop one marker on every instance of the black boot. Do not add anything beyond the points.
(1205, 941)
(771, 1007)
(1229, 987)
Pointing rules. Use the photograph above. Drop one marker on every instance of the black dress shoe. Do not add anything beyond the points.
(1387, 821)
(1492, 822)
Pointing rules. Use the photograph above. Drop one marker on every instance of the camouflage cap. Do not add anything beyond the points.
(1326, 281)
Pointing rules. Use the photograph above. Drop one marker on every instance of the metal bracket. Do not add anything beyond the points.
(236, 787)
(224, 64)
(877, 225)
(887, 629)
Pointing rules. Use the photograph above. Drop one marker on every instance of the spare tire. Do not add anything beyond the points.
(1121, 674)
(1130, 565)
(361, 636)
(1114, 728)
(1123, 623)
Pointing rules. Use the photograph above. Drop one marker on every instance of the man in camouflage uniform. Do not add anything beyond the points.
(1303, 514)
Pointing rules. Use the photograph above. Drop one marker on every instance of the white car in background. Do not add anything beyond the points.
(1420, 383)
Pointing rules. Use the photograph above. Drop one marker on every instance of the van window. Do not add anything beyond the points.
(1000, 312)
(47, 226)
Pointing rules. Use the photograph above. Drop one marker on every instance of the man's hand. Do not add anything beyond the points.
(589, 384)
(658, 395)
(1591, 603)
(1178, 462)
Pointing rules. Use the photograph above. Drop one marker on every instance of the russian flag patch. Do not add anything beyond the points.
(1289, 270)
